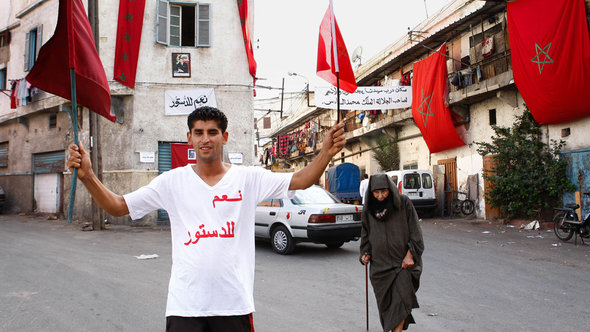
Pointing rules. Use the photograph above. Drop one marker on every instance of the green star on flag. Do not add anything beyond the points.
(129, 17)
(125, 56)
(127, 36)
(426, 100)
(546, 59)
(123, 77)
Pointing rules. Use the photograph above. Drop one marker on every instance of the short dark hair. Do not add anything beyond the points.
(207, 113)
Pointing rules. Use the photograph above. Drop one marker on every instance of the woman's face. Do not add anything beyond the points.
(381, 194)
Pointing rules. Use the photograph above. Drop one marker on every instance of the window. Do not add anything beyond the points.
(3, 79)
(4, 154)
(412, 165)
(183, 23)
(4, 38)
(426, 181)
(412, 181)
(33, 41)
(266, 122)
(52, 120)
(492, 113)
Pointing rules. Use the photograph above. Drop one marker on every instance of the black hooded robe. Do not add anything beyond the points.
(387, 241)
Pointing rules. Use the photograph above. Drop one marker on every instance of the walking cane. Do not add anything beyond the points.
(367, 293)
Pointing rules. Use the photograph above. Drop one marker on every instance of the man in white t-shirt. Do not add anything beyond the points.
(211, 205)
(363, 186)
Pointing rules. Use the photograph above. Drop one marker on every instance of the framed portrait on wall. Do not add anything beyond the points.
(181, 65)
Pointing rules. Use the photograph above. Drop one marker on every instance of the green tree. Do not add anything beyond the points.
(528, 176)
(386, 153)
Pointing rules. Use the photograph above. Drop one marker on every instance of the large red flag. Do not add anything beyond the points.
(551, 57)
(432, 116)
(330, 42)
(129, 29)
(72, 46)
(244, 9)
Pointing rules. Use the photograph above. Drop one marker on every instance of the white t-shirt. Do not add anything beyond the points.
(212, 230)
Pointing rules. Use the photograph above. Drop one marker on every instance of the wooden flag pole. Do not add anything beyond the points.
(75, 128)
(367, 293)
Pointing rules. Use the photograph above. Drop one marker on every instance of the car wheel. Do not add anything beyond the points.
(282, 241)
(334, 245)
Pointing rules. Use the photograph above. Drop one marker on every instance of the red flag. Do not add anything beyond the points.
(72, 46)
(432, 116)
(330, 42)
(245, 21)
(182, 154)
(129, 29)
(551, 57)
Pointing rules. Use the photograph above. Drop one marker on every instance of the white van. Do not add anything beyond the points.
(418, 185)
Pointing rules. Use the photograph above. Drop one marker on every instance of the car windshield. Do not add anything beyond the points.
(313, 195)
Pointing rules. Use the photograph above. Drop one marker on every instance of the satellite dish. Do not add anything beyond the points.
(356, 54)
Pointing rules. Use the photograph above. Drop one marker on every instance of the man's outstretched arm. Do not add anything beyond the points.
(333, 143)
(112, 203)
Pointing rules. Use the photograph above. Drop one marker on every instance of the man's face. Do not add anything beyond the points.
(381, 194)
(207, 139)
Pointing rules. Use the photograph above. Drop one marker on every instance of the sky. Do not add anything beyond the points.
(286, 34)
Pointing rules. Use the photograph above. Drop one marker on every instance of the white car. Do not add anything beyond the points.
(312, 215)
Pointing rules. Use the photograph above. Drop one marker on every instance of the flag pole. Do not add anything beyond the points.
(75, 128)
(338, 96)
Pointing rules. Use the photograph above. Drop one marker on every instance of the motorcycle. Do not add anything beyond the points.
(566, 223)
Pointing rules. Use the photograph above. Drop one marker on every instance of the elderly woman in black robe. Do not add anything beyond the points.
(391, 240)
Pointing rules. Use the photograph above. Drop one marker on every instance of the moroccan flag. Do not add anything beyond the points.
(332, 54)
(429, 109)
(245, 21)
(128, 39)
(551, 57)
(72, 46)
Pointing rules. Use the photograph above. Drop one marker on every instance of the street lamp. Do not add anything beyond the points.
(306, 85)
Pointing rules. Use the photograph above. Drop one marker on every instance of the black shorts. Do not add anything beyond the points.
(241, 323)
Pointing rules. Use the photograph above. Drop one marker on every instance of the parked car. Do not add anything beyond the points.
(2, 199)
(312, 215)
(418, 185)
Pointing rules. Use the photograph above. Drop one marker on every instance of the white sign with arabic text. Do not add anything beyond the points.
(182, 102)
(366, 98)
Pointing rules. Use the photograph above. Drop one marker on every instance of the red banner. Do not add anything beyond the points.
(551, 57)
(72, 46)
(129, 29)
(182, 154)
(334, 59)
(245, 21)
(429, 109)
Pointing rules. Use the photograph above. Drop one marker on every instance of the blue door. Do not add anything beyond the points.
(578, 171)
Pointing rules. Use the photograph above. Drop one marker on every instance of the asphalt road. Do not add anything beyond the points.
(477, 277)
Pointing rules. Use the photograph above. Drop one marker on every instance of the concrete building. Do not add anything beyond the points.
(484, 96)
(34, 137)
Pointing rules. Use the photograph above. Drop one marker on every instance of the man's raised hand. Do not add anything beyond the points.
(79, 159)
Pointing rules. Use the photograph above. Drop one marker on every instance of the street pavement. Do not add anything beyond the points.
(478, 276)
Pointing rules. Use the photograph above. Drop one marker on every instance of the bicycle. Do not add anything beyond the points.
(462, 206)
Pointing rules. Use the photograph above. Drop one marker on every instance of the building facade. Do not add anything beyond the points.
(35, 135)
(482, 94)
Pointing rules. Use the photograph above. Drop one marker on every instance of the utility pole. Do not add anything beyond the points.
(93, 127)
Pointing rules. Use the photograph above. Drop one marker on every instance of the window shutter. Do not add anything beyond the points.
(4, 154)
(203, 25)
(26, 66)
(266, 122)
(162, 22)
(39, 40)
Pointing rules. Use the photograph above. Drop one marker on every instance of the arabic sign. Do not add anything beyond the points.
(182, 102)
(366, 98)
